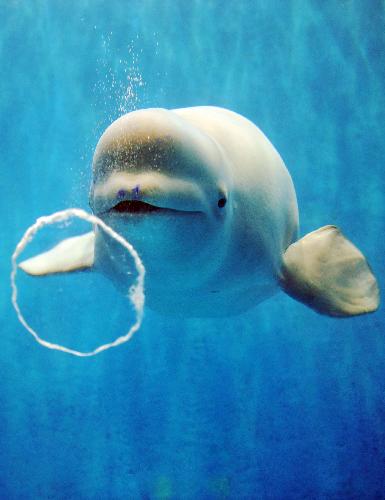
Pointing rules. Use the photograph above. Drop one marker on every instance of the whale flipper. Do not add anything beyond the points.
(325, 271)
(71, 254)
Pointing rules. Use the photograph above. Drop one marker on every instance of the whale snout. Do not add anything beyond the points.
(146, 192)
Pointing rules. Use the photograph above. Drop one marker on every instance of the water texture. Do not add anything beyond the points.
(279, 403)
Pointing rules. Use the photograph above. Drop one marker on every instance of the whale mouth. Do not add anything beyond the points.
(135, 207)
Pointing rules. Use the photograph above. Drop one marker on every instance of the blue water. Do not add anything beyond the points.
(279, 403)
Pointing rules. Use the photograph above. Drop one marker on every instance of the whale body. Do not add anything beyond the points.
(210, 206)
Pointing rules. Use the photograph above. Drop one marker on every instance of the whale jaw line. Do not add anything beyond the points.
(136, 207)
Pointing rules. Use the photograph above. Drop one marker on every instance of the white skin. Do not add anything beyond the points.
(229, 208)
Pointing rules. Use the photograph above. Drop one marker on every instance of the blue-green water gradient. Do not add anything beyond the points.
(279, 403)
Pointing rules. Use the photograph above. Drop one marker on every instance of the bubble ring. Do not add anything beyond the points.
(135, 293)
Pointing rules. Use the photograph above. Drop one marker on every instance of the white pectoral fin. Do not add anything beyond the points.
(71, 254)
(325, 271)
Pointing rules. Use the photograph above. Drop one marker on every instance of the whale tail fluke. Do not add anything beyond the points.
(71, 254)
(325, 271)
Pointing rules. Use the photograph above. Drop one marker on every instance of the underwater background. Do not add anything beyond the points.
(278, 403)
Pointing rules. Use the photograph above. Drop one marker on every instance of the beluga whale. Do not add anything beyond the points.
(210, 206)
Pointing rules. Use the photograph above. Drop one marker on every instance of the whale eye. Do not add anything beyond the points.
(222, 202)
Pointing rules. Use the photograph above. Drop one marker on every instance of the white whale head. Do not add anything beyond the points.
(166, 187)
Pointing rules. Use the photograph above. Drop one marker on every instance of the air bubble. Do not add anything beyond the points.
(135, 293)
